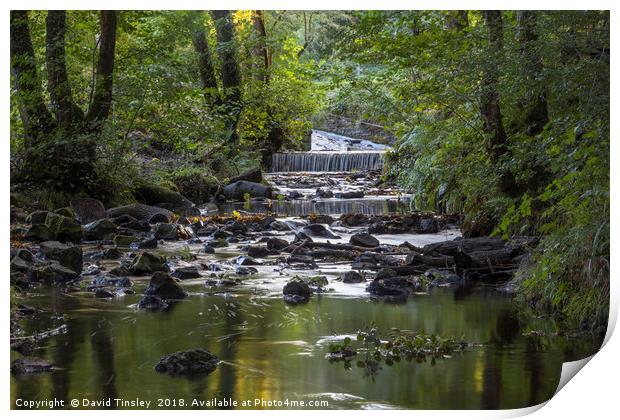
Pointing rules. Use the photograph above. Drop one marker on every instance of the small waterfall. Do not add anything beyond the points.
(326, 161)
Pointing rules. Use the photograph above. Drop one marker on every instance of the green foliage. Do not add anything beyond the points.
(421, 77)
(372, 351)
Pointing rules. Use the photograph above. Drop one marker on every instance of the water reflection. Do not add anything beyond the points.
(273, 351)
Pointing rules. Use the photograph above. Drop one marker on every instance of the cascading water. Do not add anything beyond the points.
(327, 161)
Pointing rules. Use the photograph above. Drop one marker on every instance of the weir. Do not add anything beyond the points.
(328, 161)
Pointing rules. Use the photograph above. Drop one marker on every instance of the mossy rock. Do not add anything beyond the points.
(124, 241)
(147, 262)
(64, 228)
(39, 233)
(37, 217)
(152, 194)
(65, 211)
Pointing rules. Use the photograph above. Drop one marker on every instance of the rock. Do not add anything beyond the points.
(139, 212)
(237, 190)
(64, 228)
(427, 225)
(325, 219)
(388, 287)
(24, 254)
(294, 195)
(350, 194)
(251, 175)
(17, 214)
(164, 286)
(167, 231)
(112, 254)
(352, 277)
(87, 210)
(104, 294)
(296, 292)
(67, 255)
(65, 211)
(20, 265)
(276, 244)
(218, 243)
(323, 193)
(306, 260)
(208, 249)
(152, 194)
(190, 362)
(221, 234)
(318, 230)
(37, 217)
(30, 365)
(38, 233)
(300, 237)
(158, 218)
(279, 226)
(153, 303)
(365, 240)
(245, 260)
(147, 262)
(150, 243)
(257, 251)
(245, 271)
(124, 241)
(54, 273)
(385, 273)
(99, 229)
(442, 277)
(183, 273)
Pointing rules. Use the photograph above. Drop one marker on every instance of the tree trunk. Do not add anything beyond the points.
(68, 114)
(260, 52)
(102, 99)
(535, 101)
(36, 119)
(205, 61)
(497, 141)
(489, 99)
(231, 77)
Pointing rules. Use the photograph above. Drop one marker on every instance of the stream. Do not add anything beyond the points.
(274, 351)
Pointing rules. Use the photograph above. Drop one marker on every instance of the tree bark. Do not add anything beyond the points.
(497, 141)
(36, 119)
(231, 77)
(68, 114)
(205, 61)
(489, 99)
(102, 99)
(535, 100)
(260, 51)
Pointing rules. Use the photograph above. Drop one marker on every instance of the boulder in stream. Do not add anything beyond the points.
(64, 228)
(319, 230)
(352, 277)
(365, 240)
(147, 262)
(189, 362)
(165, 287)
(30, 365)
(67, 255)
(237, 190)
(99, 229)
(296, 291)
